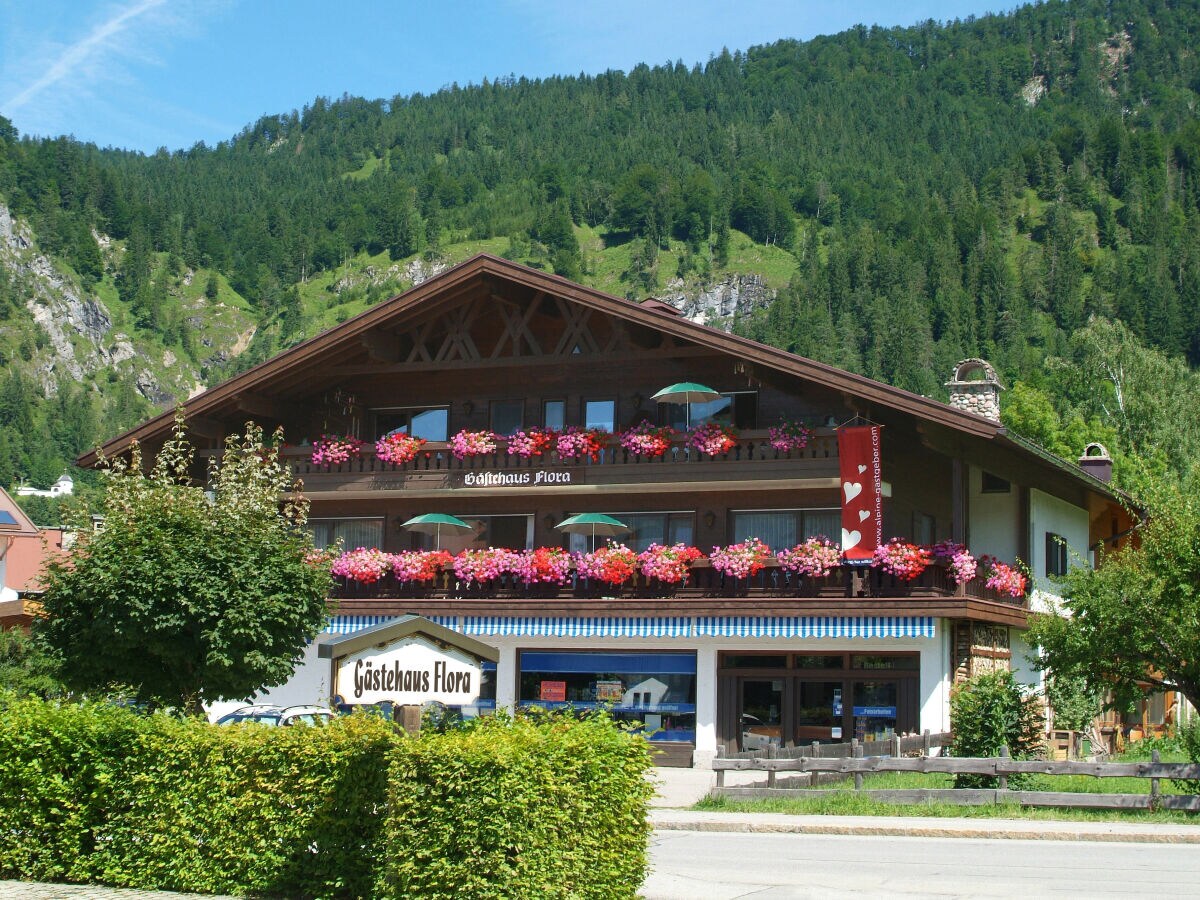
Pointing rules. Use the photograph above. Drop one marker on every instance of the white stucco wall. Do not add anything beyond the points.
(1049, 514)
(994, 520)
(309, 684)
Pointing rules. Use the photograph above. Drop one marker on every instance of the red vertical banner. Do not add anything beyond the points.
(861, 490)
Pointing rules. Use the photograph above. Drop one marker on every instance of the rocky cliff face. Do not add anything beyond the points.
(720, 303)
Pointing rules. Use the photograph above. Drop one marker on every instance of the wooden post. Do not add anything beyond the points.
(771, 754)
(856, 751)
(409, 718)
(1155, 784)
(1004, 778)
(925, 748)
(896, 746)
(816, 749)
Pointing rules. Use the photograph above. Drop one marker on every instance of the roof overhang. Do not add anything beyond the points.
(404, 627)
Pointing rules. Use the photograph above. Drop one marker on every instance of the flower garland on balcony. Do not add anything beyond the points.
(420, 565)
(713, 439)
(741, 560)
(646, 439)
(473, 443)
(534, 442)
(398, 448)
(545, 565)
(334, 449)
(576, 442)
(1004, 578)
(671, 565)
(362, 565)
(903, 560)
(788, 436)
(481, 566)
(962, 565)
(614, 564)
(816, 557)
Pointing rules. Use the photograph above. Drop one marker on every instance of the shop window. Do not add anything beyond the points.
(820, 662)
(993, 484)
(665, 528)
(554, 414)
(1056, 554)
(654, 690)
(508, 416)
(910, 663)
(351, 532)
(786, 527)
(736, 408)
(753, 661)
(428, 422)
(600, 414)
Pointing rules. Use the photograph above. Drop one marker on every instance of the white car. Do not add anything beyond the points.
(278, 715)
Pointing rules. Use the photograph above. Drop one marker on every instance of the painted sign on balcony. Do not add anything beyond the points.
(525, 478)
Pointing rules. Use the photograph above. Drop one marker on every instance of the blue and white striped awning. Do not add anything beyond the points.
(815, 626)
(571, 626)
(349, 624)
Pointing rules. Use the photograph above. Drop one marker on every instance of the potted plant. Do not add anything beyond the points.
(576, 442)
(473, 443)
(335, 449)
(480, 567)
(669, 565)
(550, 566)
(611, 565)
(362, 565)
(646, 439)
(901, 559)
(420, 566)
(811, 562)
(788, 436)
(398, 448)
(957, 559)
(1003, 578)
(713, 439)
(534, 442)
(740, 560)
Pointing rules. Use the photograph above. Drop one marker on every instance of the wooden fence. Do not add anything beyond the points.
(1001, 767)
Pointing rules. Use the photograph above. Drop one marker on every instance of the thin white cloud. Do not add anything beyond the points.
(80, 55)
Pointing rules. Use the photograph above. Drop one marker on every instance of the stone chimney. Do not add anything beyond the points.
(1096, 462)
(974, 388)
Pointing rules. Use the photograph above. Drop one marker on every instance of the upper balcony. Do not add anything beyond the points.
(435, 468)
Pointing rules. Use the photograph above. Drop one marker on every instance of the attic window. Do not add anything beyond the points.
(993, 484)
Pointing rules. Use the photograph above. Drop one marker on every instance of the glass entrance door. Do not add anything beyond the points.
(875, 709)
(761, 713)
(819, 711)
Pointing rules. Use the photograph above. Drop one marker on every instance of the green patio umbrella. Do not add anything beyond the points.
(593, 524)
(687, 393)
(433, 523)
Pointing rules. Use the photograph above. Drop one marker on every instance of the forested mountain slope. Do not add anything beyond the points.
(907, 197)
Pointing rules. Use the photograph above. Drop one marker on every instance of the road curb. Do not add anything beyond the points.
(678, 820)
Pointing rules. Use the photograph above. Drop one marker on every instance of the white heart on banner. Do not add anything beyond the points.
(861, 469)
(852, 489)
(850, 539)
(863, 515)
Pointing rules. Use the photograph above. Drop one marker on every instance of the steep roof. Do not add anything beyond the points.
(461, 279)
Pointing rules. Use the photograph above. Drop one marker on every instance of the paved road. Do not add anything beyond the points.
(691, 865)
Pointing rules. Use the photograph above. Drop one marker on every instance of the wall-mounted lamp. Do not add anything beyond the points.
(400, 520)
(548, 520)
(468, 408)
(710, 519)
(637, 400)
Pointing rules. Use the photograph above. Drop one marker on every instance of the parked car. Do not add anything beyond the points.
(265, 714)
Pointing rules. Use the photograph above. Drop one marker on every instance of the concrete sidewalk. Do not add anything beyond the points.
(676, 790)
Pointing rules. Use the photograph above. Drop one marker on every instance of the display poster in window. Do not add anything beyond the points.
(610, 691)
(553, 691)
(862, 492)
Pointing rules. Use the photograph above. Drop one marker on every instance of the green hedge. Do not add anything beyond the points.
(94, 793)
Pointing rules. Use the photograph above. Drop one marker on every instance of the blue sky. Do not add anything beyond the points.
(143, 74)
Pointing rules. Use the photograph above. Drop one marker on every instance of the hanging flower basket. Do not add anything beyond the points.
(646, 439)
(575, 442)
(473, 443)
(398, 448)
(335, 449)
(535, 442)
(713, 439)
(788, 436)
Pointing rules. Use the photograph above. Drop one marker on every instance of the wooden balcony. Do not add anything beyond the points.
(435, 468)
(772, 591)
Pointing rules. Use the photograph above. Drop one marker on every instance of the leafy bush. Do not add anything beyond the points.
(550, 806)
(97, 793)
(989, 712)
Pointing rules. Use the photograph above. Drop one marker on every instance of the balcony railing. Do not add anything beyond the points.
(751, 447)
(773, 581)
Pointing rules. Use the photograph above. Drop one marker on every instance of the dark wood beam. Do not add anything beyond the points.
(263, 407)
(592, 359)
(381, 347)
